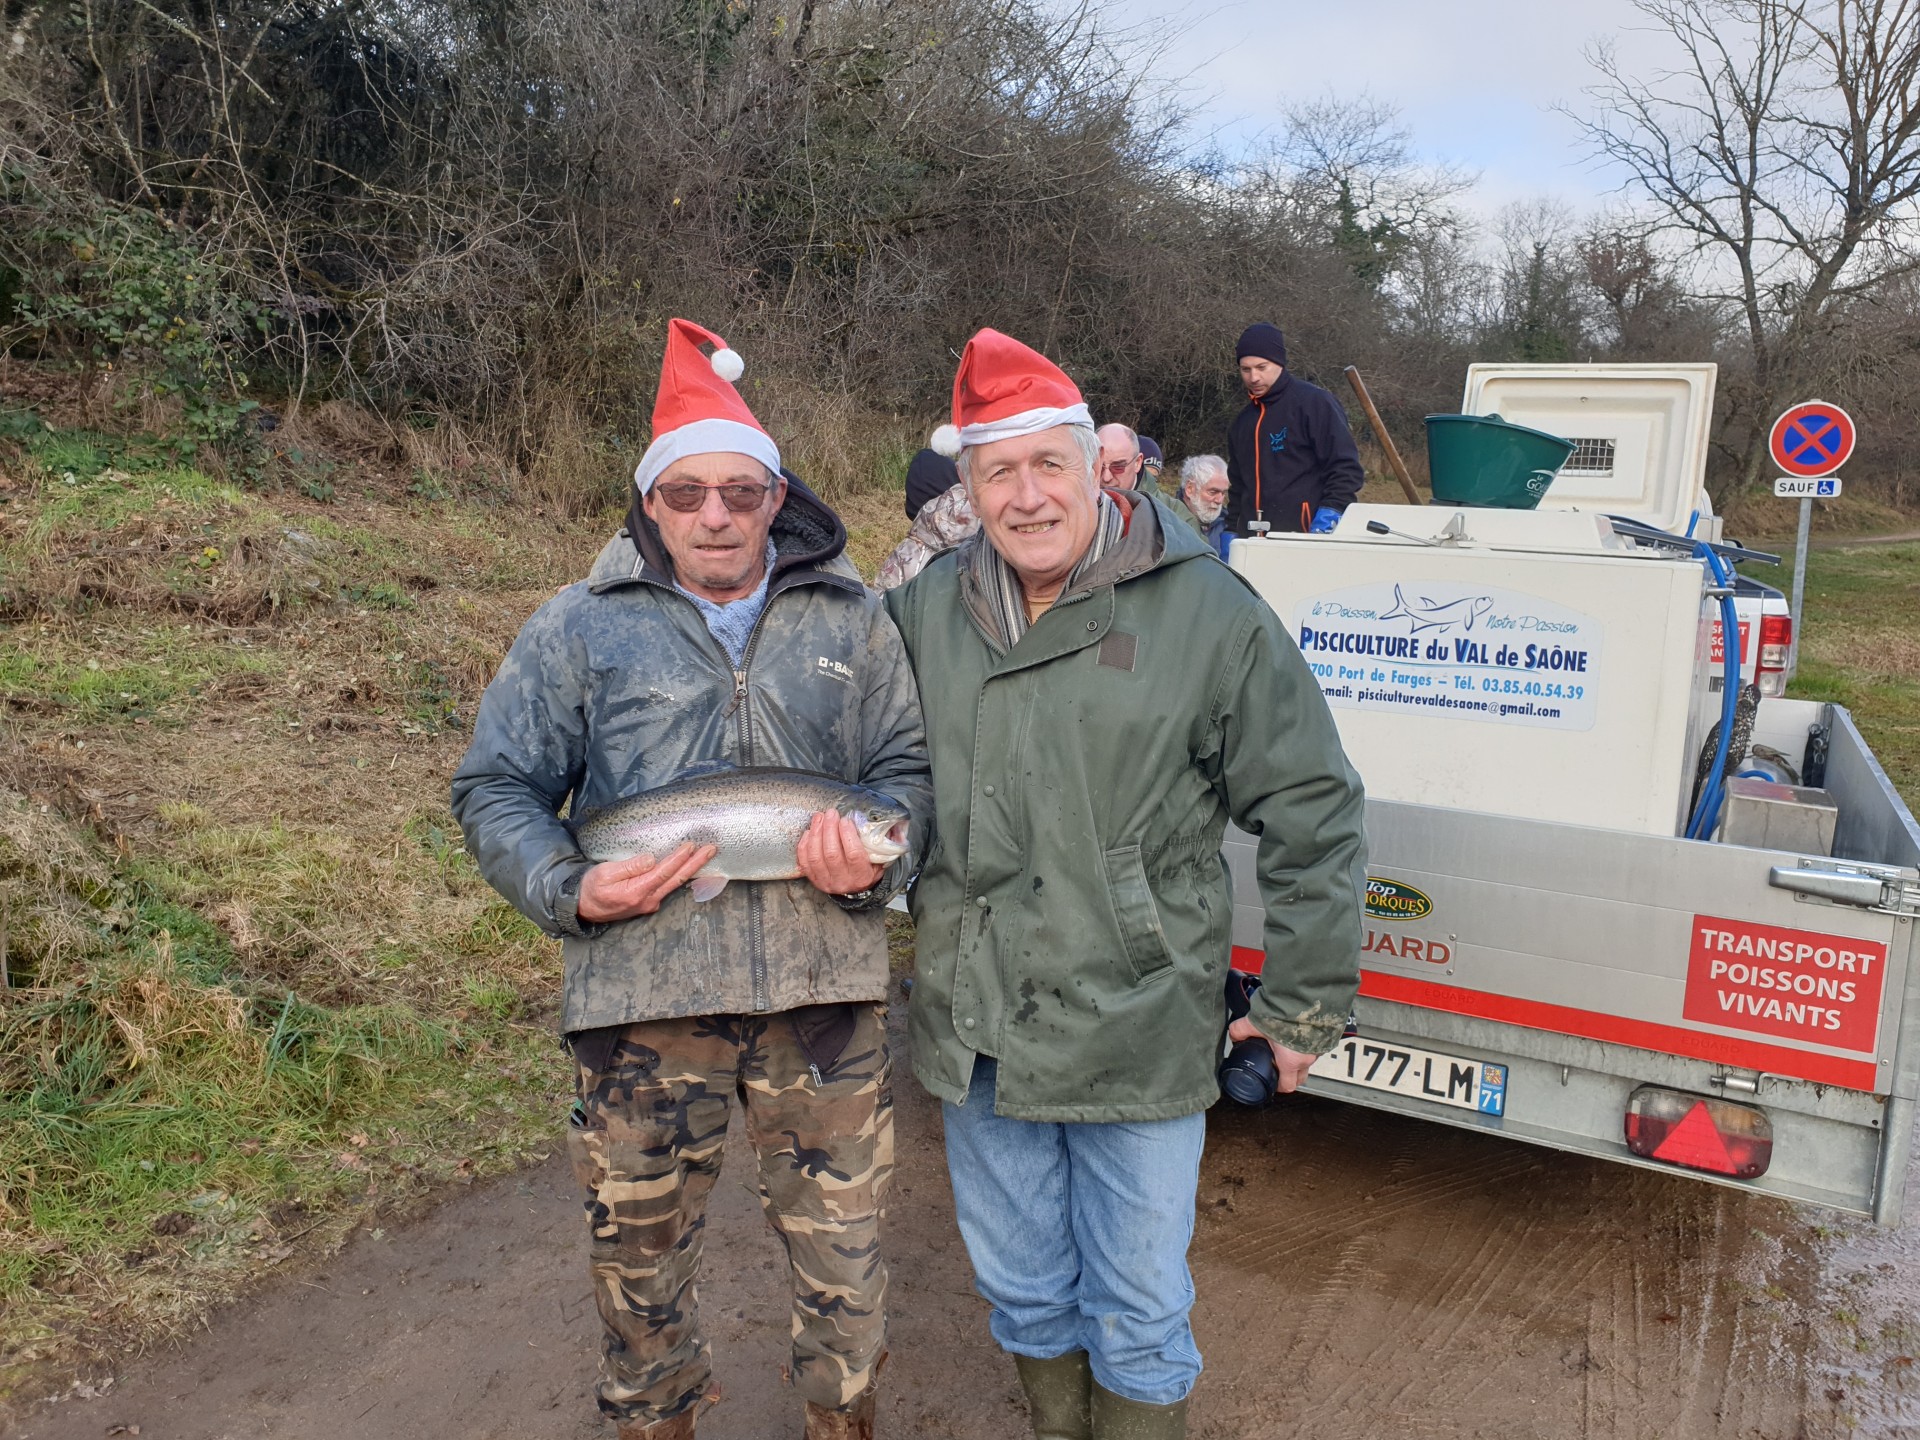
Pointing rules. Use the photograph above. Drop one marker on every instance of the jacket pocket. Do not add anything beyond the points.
(1141, 933)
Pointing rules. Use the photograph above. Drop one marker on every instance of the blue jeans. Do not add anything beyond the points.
(1078, 1236)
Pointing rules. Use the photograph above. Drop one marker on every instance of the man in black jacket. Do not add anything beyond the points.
(1291, 459)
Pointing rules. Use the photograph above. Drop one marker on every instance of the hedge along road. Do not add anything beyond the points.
(1359, 1275)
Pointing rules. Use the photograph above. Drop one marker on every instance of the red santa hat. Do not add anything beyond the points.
(697, 410)
(1003, 390)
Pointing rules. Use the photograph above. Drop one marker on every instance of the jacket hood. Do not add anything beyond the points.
(806, 535)
(1155, 538)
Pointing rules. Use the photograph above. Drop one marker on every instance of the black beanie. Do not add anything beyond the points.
(928, 474)
(1265, 341)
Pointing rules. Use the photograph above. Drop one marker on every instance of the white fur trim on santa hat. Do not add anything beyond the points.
(946, 441)
(1027, 422)
(727, 364)
(704, 437)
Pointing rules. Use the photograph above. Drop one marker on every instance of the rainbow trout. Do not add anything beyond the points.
(755, 815)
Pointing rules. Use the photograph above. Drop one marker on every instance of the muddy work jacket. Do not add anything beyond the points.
(1074, 919)
(616, 686)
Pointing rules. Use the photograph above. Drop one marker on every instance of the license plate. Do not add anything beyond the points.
(1479, 1085)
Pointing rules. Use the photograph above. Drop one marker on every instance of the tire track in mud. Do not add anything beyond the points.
(1424, 1280)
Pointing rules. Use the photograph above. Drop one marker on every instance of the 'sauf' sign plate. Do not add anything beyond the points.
(1789, 487)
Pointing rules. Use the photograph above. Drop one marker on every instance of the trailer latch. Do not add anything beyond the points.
(1866, 887)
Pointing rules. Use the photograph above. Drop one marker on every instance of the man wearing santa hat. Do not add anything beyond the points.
(723, 624)
(1102, 695)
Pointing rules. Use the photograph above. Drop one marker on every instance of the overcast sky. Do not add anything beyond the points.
(1475, 80)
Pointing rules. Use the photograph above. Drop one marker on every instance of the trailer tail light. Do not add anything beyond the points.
(1700, 1134)
(1776, 644)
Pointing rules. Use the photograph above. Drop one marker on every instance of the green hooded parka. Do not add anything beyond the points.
(1074, 916)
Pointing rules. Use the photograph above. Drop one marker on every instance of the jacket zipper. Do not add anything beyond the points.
(756, 937)
(1258, 426)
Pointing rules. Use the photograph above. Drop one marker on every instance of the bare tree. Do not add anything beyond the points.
(1539, 299)
(1784, 150)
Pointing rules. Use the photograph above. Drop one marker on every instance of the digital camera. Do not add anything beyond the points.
(1246, 1075)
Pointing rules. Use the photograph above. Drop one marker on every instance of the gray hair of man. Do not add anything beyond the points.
(1196, 470)
(1085, 440)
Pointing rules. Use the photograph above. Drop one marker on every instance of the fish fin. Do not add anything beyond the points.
(707, 887)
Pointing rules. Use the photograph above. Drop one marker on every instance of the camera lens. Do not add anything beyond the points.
(1247, 1075)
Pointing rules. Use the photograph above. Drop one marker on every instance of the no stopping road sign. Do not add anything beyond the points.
(1812, 439)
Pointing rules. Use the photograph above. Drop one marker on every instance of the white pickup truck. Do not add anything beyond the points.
(1531, 698)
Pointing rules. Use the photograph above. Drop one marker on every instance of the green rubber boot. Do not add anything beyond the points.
(1058, 1395)
(1118, 1419)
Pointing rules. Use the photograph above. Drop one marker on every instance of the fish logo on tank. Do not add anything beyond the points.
(1395, 900)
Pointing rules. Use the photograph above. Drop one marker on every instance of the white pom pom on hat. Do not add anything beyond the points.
(946, 441)
(727, 364)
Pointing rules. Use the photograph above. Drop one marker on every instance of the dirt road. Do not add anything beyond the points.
(1360, 1275)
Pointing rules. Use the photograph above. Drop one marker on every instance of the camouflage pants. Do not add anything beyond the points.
(645, 1141)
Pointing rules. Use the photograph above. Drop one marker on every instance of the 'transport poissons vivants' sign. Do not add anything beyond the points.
(1471, 651)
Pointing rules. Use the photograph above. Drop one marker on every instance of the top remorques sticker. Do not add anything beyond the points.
(1396, 900)
(1430, 647)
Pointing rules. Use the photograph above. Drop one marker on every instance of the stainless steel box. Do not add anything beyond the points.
(1766, 815)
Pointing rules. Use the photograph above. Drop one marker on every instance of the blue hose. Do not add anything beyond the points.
(1707, 812)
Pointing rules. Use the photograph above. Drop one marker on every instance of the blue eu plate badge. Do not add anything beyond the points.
(1493, 1089)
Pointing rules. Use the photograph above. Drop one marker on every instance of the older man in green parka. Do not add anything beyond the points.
(1101, 696)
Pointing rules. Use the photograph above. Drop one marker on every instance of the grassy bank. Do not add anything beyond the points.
(255, 991)
(1861, 646)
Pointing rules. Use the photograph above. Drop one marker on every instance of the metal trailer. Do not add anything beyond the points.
(1528, 978)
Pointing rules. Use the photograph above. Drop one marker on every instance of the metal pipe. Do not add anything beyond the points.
(1799, 583)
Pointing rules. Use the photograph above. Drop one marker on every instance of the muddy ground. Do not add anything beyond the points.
(1360, 1275)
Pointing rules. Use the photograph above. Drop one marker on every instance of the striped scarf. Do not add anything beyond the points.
(1008, 602)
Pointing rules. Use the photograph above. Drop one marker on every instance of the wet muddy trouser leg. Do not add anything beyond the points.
(646, 1141)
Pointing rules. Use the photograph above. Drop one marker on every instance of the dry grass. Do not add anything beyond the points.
(256, 990)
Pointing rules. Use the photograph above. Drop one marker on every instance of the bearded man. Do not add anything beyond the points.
(1202, 500)
(1101, 697)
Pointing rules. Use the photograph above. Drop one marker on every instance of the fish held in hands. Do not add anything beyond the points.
(755, 816)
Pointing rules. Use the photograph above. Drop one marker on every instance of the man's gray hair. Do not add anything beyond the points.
(1195, 469)
(1085, 440)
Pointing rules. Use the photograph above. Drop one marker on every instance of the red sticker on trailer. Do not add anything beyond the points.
(1796, 984)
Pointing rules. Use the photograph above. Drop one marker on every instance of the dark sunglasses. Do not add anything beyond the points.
(687, 497)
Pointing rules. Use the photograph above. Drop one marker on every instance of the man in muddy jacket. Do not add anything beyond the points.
(1291, 459)
(1101, 697)
(722, 625)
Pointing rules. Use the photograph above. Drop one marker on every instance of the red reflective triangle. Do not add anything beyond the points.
(1695, 1143)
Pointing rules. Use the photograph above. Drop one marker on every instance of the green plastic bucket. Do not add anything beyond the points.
(1484, 460)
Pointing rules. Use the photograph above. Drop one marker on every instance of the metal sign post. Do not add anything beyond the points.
(1799, 583)
(1809, 441)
